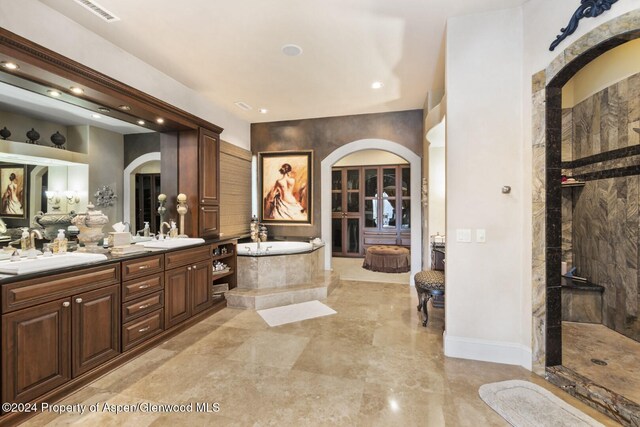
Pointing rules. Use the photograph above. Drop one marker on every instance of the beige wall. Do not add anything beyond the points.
(370, 157)
(610, 67)
(437, 191)
(106, 157)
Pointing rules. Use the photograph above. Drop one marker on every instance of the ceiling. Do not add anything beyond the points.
(230, 51)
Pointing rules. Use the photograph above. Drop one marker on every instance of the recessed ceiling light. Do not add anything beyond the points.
(376, 85)
(10, 65)
(160, 120)
(77, 90)
(54, 93)
(124, 107)
(292, 50)
(141, 122)
(263, 111)
(104, 110)
(96, 116)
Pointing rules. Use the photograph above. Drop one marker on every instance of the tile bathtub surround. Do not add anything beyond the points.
(372, 363)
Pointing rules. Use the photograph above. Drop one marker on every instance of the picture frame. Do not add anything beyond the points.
(13, 184)
(286, 187)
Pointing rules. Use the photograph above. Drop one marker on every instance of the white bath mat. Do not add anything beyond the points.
(524, 404)
(295, 313)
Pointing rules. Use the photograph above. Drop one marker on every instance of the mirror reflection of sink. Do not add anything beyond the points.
(41, 263)
(138, 239)
(171, 243)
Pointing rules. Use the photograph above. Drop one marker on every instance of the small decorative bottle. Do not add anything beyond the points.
(146, 232)
(61, 241)
(25, 241)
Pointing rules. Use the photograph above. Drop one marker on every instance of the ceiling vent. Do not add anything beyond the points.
(243, 106)
(98, 10)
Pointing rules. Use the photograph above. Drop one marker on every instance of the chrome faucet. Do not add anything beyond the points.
(161, 233)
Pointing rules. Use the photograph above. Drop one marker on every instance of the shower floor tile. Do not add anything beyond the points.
(582, 342)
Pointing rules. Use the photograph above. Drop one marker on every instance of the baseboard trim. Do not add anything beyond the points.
(488, 351)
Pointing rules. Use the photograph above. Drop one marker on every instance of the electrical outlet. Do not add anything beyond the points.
(481, 235)
(463, 235)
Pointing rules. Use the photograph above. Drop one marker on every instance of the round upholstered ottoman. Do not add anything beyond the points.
(387, 259)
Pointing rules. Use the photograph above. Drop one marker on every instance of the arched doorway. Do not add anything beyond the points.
(416, 218)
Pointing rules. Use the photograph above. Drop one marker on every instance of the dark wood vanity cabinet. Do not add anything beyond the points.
(46, 345)
(188, 285)
(36, 345)
(96, 328)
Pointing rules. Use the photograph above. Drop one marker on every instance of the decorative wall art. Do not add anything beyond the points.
(14, 193)
(286, 187)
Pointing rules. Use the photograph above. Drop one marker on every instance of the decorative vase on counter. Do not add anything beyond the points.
(53, 221)
(90, 225)
(33, 136)
(5, 133)
(58, 140)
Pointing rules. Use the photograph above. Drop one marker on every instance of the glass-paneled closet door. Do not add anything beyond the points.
(346, 211)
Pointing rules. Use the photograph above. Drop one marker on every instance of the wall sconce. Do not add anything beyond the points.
(72, 197)
(53, 199)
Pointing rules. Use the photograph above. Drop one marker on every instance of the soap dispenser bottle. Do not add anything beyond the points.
(25, 241)
(146, 232)
(61, 241)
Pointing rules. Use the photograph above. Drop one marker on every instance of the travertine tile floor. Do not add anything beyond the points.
(351, 269)
(372, 364)
(582, 342)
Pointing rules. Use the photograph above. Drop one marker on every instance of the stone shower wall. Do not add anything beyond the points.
(605, 218)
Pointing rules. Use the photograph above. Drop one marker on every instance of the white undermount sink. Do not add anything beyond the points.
(25, 266)
(171, 243)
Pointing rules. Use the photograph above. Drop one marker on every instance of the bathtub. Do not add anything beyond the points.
(278, 264)
(275, 248)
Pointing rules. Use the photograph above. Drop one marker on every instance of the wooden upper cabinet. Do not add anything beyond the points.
(209, 158)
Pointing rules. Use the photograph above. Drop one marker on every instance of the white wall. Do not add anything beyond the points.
(437, 189)
(37, 22)
(484, 59)
(491, 59)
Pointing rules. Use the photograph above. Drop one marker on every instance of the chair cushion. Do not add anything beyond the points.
(430, 280)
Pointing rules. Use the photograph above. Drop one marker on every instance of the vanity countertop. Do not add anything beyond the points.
(10, 278)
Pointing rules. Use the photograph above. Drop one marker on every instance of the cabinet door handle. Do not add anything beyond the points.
(66, 304)
(145, 329)
(189, 268)
(195, 266)
(78, 300)
(143, 306)
(202, 201)
(202, 209)
(145, 286)
(142, 267)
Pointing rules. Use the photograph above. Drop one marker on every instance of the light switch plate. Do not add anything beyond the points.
(481, 235)
(463, 235)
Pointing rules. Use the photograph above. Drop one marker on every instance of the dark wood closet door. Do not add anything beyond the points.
(346, 211)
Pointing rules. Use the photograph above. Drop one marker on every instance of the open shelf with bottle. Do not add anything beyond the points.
(223, 254)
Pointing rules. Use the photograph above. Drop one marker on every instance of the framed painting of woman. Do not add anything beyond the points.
(286, 187)
(13, 183)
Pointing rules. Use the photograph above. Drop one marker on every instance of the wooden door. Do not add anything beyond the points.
(36, 346)
(346, 211)
(201, 296)
(209, 154)
(177, 303)
(209, 219)
(95, 328)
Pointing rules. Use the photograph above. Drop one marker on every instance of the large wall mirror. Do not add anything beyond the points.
(55, 156)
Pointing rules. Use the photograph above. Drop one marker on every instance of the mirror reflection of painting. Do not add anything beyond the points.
(12, 184)
(286, 179)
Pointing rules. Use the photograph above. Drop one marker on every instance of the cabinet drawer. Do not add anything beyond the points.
(143, 286)
(138, 331)
(142, 266)
(36, 291)
(187, 256)
(141, 306)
